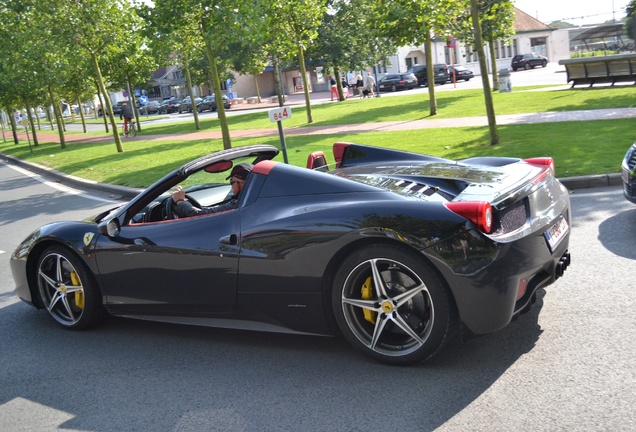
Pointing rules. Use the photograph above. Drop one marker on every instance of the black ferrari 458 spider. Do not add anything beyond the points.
(396, 251)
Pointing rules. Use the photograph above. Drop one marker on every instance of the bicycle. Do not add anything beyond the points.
(132, 129)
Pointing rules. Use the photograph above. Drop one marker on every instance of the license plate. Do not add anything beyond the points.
(556, 233)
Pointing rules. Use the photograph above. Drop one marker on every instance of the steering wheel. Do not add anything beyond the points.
(169, 207)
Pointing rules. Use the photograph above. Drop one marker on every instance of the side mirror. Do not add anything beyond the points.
(111, 228)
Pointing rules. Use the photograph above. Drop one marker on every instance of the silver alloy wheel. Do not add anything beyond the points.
(395, 316)
(61, 289)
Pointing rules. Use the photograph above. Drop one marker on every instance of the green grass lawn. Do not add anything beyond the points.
(579, 148)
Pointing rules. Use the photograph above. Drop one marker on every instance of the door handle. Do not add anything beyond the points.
(232, 239)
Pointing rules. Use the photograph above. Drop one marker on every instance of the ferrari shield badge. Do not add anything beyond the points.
(87, 238)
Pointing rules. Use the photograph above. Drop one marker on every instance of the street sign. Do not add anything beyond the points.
(280, 114)
(143, 99)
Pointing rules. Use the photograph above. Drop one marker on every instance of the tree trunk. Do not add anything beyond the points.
(101, 104)
(336, 76)
(56, 113)
(31, 123)
(193, 104)
(218, 95)
(493, 62)
(258, 91)
(303, 71)
(430, 75)
(14, 127)
(479, 46)
(278, 84)
(79, 104)
(109, 107)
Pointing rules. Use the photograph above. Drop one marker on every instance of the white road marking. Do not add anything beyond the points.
(63, 188)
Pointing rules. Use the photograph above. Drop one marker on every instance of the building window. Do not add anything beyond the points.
(539, 45)
(496, 44)
(515, 50)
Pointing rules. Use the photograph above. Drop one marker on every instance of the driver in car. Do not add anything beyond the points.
(237, 180)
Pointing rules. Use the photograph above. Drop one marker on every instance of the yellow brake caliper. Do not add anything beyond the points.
(79, 295)
(367, 294)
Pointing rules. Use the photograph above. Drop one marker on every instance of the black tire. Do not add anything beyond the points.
(514, 69)
(67, 289)
(544, 64)
(393, 87)
(527, 66)
(406, 320)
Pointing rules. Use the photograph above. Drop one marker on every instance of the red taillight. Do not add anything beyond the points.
(545, 161)
(521, 289)
(478, 212)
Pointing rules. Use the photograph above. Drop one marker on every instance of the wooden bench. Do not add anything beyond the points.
(603, 69)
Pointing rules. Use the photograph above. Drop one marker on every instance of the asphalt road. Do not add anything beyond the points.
(568, 364)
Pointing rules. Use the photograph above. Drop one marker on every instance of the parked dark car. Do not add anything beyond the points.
(186, 106)
(528, 61)
(117, 107)
(152, 107)
(394, 82)
(628, 174)
(209, 103)
(440, 71)
(170, 106)
(460, 73)
(396, 251)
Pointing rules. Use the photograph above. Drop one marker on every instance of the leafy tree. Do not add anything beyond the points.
(497, 18)
(630, 22)
(220, 23)
(479, 45)
(298, 21)
(348, 39)
(416, 22)
(97, 29)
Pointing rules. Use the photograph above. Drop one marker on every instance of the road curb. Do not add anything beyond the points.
(116, 191)
(592, 181)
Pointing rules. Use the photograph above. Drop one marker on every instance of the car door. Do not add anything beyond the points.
(186, 267)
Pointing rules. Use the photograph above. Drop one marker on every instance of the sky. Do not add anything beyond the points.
(576, 12)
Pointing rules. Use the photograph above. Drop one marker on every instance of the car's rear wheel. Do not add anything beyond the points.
(391, 305)
(393, 87)
(67, 290)
(526, 66)
(544, 64)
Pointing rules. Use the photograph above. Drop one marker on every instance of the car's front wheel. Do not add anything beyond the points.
(393, 87)
(67, 290)
(391, 305)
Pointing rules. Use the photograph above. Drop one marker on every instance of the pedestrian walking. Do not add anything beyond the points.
(334, 87)
(371, 85)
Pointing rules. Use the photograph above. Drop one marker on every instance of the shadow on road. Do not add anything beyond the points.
(136, 375)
